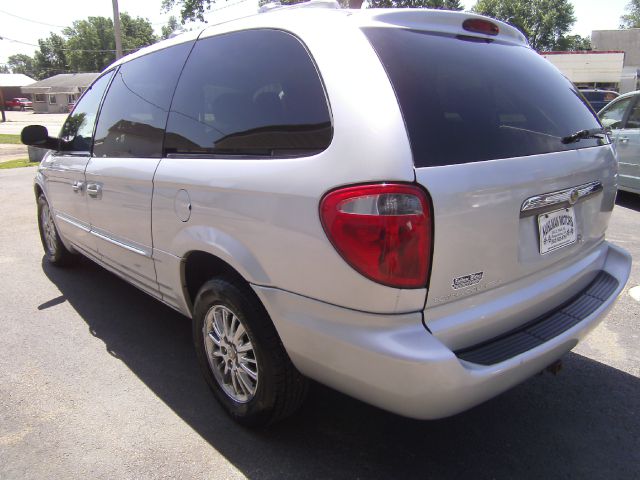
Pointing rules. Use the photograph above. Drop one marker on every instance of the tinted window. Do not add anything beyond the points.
(612, 116)
(465, 99)
(592, 95)
(255, 92)
(134, 113)
(634, 117)
(603, 96)
(77, 131)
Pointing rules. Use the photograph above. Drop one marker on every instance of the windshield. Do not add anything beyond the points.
(466, 99)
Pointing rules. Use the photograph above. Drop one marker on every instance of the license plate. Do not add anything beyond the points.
(557, 229)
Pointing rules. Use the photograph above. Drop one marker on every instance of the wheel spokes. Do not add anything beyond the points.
(230, 353)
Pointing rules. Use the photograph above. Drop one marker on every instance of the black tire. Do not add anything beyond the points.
(54, 250)
(279, 388)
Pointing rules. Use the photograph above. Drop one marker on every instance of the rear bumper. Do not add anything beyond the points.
(391, 361)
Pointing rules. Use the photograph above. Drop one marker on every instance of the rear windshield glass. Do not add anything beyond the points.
(466, 100)
(599, 96)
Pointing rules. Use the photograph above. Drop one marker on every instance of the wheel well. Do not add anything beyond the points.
(38, 191)
(200, 267)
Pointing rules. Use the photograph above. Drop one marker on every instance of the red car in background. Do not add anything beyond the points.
(18, 104)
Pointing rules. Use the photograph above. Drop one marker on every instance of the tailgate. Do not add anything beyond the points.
(487, 247)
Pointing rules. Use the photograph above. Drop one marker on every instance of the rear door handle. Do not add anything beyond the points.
(94, 190)
(77, 186)
(624, 139)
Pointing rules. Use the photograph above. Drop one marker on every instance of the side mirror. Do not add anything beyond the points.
(38, 136)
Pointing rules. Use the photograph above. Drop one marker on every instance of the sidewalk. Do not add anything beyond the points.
(12, 152)
(16, 121)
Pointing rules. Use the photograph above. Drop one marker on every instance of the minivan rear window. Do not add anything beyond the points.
(467, 99)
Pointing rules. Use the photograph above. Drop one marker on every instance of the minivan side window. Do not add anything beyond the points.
(249, 93)
(613, 114)
(77, 132)
(134, 112)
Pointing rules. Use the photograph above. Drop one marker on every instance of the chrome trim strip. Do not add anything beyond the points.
(560, 198)
(121, 244)
(73, 221)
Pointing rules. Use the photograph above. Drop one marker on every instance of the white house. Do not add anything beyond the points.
(54, 94)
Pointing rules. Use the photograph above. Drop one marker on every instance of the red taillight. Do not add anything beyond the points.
(383, 231)
(478, 25)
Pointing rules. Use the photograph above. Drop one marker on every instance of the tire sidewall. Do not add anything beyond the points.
(53, 257)
(222, 292)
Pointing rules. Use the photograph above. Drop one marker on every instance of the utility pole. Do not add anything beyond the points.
(116, 29)
(4, 118)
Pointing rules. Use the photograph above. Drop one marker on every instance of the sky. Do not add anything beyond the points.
(24, 22)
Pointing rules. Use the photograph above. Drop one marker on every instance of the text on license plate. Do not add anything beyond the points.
(557, 229)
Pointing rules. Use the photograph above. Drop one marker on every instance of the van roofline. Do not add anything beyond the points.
(426, 19)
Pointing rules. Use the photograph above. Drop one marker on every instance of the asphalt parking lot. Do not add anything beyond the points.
(97, 380)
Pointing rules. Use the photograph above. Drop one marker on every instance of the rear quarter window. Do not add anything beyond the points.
(465, 99)
(249, 93)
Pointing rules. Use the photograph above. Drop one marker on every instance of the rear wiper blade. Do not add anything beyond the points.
(580, 134)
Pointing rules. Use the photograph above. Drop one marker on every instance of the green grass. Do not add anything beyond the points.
(12, 139)
(21, 162)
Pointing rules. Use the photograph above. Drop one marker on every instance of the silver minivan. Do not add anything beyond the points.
(409, 206)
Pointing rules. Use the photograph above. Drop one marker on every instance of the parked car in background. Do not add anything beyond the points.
(599, 98)
(18, 104)
(383, 209)
(622, 117)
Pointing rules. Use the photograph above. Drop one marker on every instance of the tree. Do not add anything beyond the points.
(438, 4)
(21, 63)
(632, 18)
(136, 33)
(91, 46)
(544, 22)
(574, 43)
(86, 46)
(171, 26)
(51, 58)
(191, 9)
(4, 69)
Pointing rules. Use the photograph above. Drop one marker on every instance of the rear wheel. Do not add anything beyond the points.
(241, 355)
(55, 251)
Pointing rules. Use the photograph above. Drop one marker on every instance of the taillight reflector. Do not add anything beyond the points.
(383, 231)
(478, 25)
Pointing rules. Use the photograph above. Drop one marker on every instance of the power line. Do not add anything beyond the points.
(68, 49)
(32, 21)
(228, 5)
(64, 26)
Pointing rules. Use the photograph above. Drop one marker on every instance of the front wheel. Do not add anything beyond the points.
(54, 250)
(241, 355)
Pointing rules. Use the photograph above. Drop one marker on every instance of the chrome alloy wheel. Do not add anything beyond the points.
(230, 354)
(48, 229)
